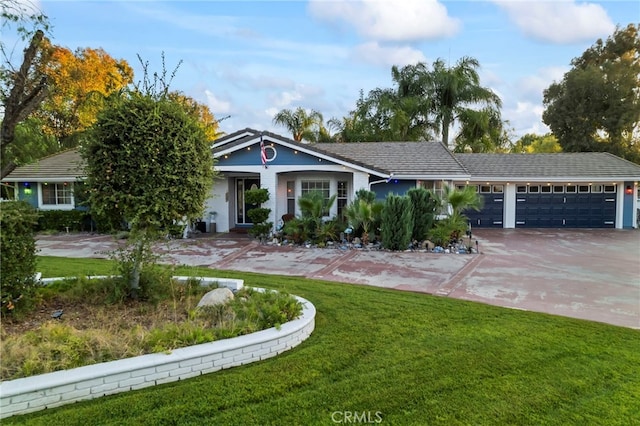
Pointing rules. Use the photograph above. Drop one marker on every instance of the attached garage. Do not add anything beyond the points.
(565, 206)
(492, 213)
(562, 190)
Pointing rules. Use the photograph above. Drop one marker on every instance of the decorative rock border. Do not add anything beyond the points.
(59, 388)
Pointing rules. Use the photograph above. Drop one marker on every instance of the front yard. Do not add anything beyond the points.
(398, 358)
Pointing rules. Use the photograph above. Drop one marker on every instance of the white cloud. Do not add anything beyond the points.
(217, 106)
(560, 22)
(534, 85)
(373, 53)
(387, 20)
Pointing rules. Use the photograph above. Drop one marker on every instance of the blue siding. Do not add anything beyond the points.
(32, 198)
(283, 157)
(627, 206)
(395, 186)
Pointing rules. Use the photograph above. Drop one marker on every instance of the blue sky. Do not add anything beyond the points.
(249, 59)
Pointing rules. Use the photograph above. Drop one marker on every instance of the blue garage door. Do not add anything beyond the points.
(493, 207)
(565, 206)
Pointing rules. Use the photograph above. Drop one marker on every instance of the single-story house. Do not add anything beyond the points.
(562, 190)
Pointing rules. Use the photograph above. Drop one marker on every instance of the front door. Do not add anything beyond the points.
(242, 184)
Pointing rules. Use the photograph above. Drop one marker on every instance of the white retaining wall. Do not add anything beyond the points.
(49, 390)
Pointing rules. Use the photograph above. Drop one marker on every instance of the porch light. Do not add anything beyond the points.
(628, 190)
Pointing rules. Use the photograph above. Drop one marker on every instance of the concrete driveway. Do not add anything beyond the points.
(587, 274)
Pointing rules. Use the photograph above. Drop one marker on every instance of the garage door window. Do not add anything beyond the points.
(521, 189)
(583, 189)
(498, 189)
(558, 189)
(571, 188)
(596, 189)
(610, 188)
(545, 189)
(485, 189)
(534, 189)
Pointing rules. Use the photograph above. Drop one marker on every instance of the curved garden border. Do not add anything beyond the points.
(50, 390)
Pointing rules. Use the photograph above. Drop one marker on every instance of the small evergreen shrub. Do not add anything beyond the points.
(397, 222)
(17, 255)
(424, 208)
(258, 215)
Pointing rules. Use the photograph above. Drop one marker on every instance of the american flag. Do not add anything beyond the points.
(263, 153)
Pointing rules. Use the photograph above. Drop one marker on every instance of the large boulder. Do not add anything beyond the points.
(218, 296)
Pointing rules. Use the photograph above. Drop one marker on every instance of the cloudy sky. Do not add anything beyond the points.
(249, 59)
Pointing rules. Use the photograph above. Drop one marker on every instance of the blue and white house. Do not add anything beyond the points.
(563, 190)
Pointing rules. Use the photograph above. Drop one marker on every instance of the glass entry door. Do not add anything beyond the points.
(242, 207)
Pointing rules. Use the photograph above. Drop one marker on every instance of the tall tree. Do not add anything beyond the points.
(596, 106)
(22, 87)
(481, 130)
(80, 81)
(149, 164)
(201, 113)
(454, 91)
(532, 143)
(301, 124)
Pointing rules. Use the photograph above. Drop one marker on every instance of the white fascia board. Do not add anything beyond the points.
(235, 138)
(430, 177)
(316, 154)
(561, 179)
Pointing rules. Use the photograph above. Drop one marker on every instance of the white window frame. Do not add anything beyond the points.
(63, 192)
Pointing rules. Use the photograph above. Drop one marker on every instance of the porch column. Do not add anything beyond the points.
(268, 181)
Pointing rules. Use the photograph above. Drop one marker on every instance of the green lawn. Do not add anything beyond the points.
(405, 358)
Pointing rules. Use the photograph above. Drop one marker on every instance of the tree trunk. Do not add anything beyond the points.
(22, 99)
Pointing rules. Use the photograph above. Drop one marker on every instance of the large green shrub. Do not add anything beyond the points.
(397, 222)
(17, 254)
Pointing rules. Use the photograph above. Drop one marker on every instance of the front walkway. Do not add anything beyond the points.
(587, 274)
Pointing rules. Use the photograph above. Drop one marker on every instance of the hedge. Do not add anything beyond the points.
(17, 253)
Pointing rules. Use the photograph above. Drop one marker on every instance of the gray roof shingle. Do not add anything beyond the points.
(64, 165)
(400, 158)
(558, 165)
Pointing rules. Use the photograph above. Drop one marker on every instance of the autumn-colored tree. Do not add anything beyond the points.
(532, 143)
(80, 81)
(201, 113)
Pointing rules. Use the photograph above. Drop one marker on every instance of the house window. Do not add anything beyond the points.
(291, 197)
(54, 194)
(342, 197)
(322, 186)
(435, 186)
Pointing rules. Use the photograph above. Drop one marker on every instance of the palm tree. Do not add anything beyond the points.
(454, 90)
(301, 124)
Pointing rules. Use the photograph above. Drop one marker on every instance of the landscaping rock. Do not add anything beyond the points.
(218, 296)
